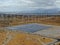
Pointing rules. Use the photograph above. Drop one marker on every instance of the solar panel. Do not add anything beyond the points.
(29, 27)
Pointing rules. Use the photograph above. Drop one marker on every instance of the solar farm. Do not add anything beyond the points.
(31, 30)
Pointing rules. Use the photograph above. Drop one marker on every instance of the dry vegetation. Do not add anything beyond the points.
(18, 20)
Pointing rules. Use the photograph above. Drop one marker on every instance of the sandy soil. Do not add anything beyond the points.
(21, 38)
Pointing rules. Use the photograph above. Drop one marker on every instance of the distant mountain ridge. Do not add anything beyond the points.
(55, 10)
(37, 11)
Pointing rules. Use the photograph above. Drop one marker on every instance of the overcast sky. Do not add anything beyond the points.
(21, 5)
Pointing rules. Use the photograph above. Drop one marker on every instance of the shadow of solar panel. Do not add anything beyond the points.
(29, 27)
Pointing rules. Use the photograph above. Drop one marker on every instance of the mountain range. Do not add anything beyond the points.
(37, 11)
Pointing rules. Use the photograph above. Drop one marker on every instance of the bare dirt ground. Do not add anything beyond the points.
(21, 38)
(53, 32)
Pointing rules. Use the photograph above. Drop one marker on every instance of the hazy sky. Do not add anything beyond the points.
(21, 5)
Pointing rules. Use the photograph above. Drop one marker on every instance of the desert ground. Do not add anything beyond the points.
(9, 37)
(21, 38)
(21, 19)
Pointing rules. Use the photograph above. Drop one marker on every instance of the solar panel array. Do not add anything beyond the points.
(29, 27)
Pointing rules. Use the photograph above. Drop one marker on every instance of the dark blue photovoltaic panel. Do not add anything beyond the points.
(29, 27)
